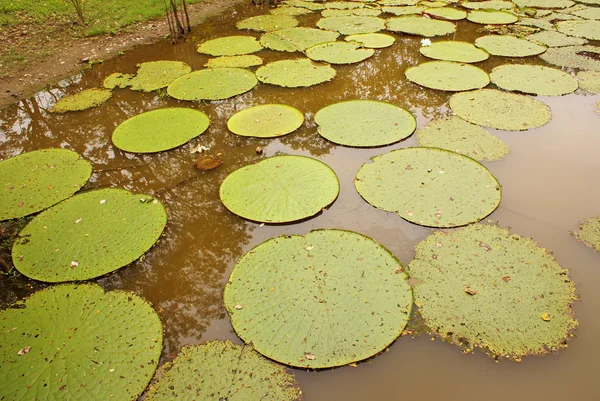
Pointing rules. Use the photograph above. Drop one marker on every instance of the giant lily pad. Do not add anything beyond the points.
(86, 99)
(296, 39)
(488, 5)
(482, 287)
(372, 40)
(88, 235)
(326, 299)
(77, 342)
(508, 46)
(280, 189)
(230, 46)
(244, 61)
(339, 52)
(582, 57)
(36, 180)
(295, 73)
(362, 12)
(492, 17)
(212, 84)
(448, 13)
(588, 29)
(266, 121)
(429, 186)
(364, 123)
(544, 3)
(267, 23)
(158, 130)
(589, 233)
(534, 79)
(223, 371)
(455, 134)
(453, 50)
(352, 25)
(343, 5)
(309, 5)
(587, 12)
(397, 3)
(158, 74)
(404, 10)
(420, 26)
(501, 110)
(289, 10)
(555, 39)
(448, 76)
(589, 81)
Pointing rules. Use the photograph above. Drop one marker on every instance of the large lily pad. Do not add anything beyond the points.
(589, 81)
(488, 5)
(397, 3)
(86, 99)
(429, 186)
(88, 235)
(158, 130)
(534, 79)
(453, 50)
(223, 371)
(364, 123)
(244, 61)
(448, 76)
(212, 84)
(544, 3)
(339, 52)
(352, 25)
(76, 342)
(455, 134)
(589, 233)
(267, 23)
(266, 121)
(588, 29)
(582, 57)
(555, 39)
(587, 12)
(296, 39)
(404, 10)
(448, 13)
(482, 287)
(280, 189)
(289, 10)
(34, 181)
(508, 46)
(155, 75)
(309, 5)
(501, 110)
(230, 46)
(295, 73)
(421, 26)
(363, 12)
(343, 5)
(494, 17)
(326, 299)
(372, 40)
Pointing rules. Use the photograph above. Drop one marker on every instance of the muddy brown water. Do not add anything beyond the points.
(549, 183)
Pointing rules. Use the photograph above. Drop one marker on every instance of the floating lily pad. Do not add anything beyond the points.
(295, 73)
(86, 99)
(34, 181)
(501, 110)
(555, 39)
(158, 74)
(482, 287)
(397, 3)
(372, 40)
(448, 76)
(589, 233)
(289, 10)
(508, 46)
(433, 4)
(88, 235)
(212, 84)
(230, 46)
(296, 39)
(404, 10)
(488, 5)
(587, 13)
(266, 121)
(448, 13)
(534, 22)
(352, 25)
(544, 3)
(68, 340)
(117, 80)
(582, 57)
(244, 61)
(309, 5)
(592, 2)
(343, 5)
(559, 16)
(325, 299)
(455, 134)
(339, 52)
(492, 17)
(266, 23)
(223, 371)
(280, 189)
(158, 130)
(363, 12)
(429, 186)
(453, 50)
(421, 26)
(589, 81)
(588, 29)
(534, 79)
(364, 123)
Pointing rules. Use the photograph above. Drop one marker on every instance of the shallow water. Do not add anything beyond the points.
(550, 183)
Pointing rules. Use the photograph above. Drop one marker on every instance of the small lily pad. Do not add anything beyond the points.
(420, 26)
(501, 110)
(448, 76)
(289, 10)
(453, 50)
(295, 73)
(343, 5)
(267, 23)
(589, 233)
(364, 123)
(494, 17)
(117, 80)
(155, 75)
(533, 79)
(372, 40)
(230, 46)
(266, 121)
(555, 39)
(508, 46)
(352, 25)
(429, 186)
(244, 61)
(339, 52)
(296, 39)
(589, 81)
(582, 57)
(448, 13)
(404, 10)
(212, 84)
(587, 29)
(86, 99)
(488, 5)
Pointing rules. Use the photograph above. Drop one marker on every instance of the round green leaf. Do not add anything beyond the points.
(34, 181)
(420, 26)
(86, 99)
(589, 81)
(352, 25)
(488, 5)
(492, 17)
(501, 110)
(364, 123)
(309, 5)
(582, 57)
(362, 12)
(405, 10)
(223, 371)
(508, 46)
(339, 52)
(429, 186)
(455, 134)
(295, 73)
(230, 46)
(372, 40)
(544, 3)
(532, 22)
(296, 39)
(266, 23)
(396, 3)
(325, 299)
(448, 76)
(447, 13)
(117, 80)
(589, 233)
(588, 29)
(555, 39)
(244, 61)
(88, 235)
(77, 342)
(452, 50)
(289, 10)
(212, 84)
(482, 287)
(534, 79)
(158, 74)
(343, 5)
(266, 121)
(280, 189)
(158, 130)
